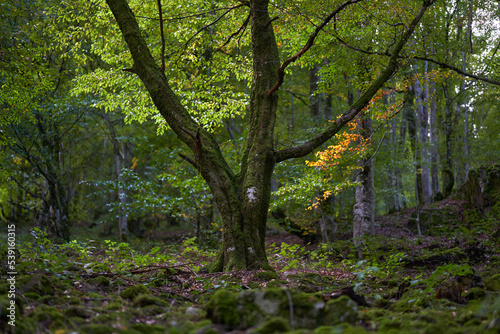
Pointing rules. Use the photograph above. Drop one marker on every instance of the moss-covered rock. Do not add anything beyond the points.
(493, 283)
(342, 309)
(267, 275)
(41, 284)
(340, 329)
(134, 291)
(47, 314)
(254, 308)
(273, 325)
(474, 293)
(147, 299)
(223, 309)
(97, 329)
(102, 281)
(148, 329)
(77, 312)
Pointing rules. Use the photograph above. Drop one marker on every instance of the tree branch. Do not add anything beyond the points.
(309, 44)
(208, 25)
(361, 103)
(437, 62)
(242, 27)
(162, 37)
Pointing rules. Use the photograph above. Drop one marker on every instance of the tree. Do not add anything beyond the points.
(243, 197)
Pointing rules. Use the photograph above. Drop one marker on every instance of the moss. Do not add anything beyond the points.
(223, 309)
(340, 329)
(97, 329)
(411, 301)
(114, 306)
(77, 312)
(493, 283)
(342, 309)
(32, 295)
(151, 310)
(276, 284)
(102, 280)
(134, 291)
(148, 329)
(41, 284)
(267, 275)
(209, 330)
(381, 303)
(274, 325)
(7, 309)
(74, 301)
(45, 313)
(146, 300)
(100, 268)
(474, 293)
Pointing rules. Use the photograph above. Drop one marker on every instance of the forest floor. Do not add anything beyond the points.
(445, 280)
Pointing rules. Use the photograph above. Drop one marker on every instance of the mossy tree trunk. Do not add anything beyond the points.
(243, 198)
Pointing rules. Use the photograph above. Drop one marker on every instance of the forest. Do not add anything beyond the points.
(249, 166)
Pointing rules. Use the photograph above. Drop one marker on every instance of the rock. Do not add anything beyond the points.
(253, 308)
(342, 309)
(494, 324)
(147, 299)
(274, 325)
(223, 309)
(482, 188)
(134, 291)
(267, 275)
(193, 311)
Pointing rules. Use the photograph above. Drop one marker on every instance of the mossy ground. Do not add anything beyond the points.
(432, 283)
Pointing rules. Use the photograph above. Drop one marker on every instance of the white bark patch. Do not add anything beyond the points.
(250, 250)
(251, 194)
(230, 249)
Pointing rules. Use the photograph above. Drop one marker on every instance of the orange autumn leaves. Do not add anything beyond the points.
(350, 143)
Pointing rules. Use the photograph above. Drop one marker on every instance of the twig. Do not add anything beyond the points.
(309, 44)
(206, 26)
(162, 37)
(242, 27)
(439, 63)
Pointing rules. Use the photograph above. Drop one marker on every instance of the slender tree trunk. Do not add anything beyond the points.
(314, 98)
(423, 114)
(119, 155)
(465, 108)
(411, 121)
(327, 224)
(364, 208)
(433, 139)
(394, 201)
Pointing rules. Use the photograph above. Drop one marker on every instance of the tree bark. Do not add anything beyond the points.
(119, 155)
(364, 208)
(314, 98)
(433, 140)
(424, 163)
